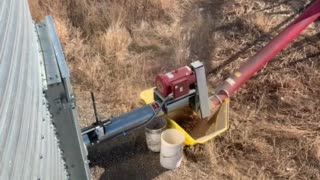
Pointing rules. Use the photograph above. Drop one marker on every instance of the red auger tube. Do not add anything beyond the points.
(257, 62)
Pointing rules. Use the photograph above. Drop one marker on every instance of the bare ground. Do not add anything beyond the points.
(115, 48)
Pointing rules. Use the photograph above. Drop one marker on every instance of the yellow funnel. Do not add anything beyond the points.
(217, 125)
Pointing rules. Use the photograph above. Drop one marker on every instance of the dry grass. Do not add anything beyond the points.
(115, 48)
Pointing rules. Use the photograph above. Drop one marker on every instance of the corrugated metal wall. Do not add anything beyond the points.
(28, 145)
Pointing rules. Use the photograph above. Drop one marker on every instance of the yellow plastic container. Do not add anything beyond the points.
(218, 125)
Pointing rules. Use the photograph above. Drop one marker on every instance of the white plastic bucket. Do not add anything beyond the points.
(172, 143)
(153, 132)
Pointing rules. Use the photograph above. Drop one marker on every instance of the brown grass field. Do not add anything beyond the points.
(116, 47)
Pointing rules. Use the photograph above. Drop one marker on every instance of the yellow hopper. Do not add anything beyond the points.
(218, 124)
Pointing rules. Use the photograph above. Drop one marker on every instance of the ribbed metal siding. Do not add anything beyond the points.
(28, 145)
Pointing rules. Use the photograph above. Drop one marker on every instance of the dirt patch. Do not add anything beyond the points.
(125, 158)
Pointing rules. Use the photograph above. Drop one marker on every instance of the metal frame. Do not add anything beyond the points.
(61, 102)
(202, 89)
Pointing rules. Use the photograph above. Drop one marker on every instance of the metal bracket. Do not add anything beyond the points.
(62, 104)
(99, 130)
(71, 104)
(202, 89)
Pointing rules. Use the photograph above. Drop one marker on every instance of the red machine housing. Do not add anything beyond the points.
(179, 82)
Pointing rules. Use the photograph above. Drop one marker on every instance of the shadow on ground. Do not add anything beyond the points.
(126, 158)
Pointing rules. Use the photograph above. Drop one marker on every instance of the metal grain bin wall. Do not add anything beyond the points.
(29, 145)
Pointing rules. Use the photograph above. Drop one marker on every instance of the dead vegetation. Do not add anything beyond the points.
(115, 48)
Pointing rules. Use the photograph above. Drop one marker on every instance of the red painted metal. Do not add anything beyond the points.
(178, 82)
(257, 62)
